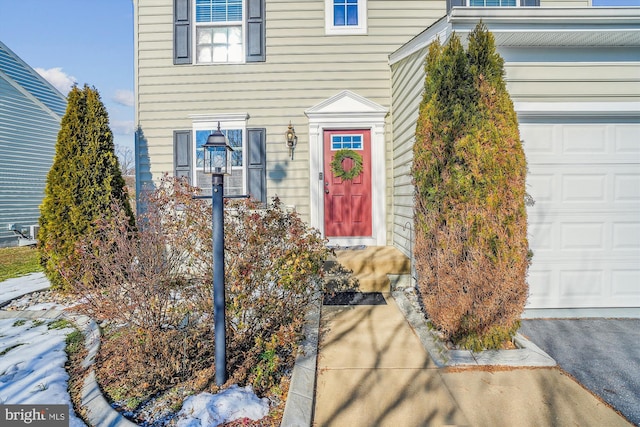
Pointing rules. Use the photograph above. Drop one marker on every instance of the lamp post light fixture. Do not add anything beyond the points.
(292, 139)
(217, 162)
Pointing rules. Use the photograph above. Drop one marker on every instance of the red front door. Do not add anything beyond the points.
(347, 203)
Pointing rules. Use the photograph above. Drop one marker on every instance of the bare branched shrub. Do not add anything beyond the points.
(153, 285)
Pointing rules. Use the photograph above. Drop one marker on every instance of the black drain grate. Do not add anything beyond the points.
(354, 298)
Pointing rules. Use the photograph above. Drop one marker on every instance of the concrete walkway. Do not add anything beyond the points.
(374, 371)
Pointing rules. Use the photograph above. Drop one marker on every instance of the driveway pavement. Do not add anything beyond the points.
(602, 354)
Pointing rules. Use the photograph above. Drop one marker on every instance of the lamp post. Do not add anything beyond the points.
(217, 162)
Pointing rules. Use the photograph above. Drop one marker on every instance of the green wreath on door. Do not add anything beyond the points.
(339, 171)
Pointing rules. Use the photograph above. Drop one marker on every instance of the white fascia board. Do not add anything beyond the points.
(221, 117)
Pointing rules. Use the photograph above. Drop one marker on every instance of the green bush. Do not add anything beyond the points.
(469, 175)
(82, 184)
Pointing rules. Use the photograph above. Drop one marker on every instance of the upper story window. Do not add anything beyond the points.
(492, 3)
(219, 31)
(346, 16)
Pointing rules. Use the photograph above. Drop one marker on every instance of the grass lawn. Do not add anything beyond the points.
(18, 261)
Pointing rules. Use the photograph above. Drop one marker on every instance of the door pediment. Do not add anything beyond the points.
(346, 103)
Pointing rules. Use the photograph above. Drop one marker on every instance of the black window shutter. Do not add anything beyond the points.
(257, 167)
(181, 32)
(182, 154)
(256, 46)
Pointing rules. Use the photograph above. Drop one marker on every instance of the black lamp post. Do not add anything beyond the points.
(217, 162)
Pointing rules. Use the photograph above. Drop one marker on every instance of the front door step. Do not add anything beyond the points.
(371, 267)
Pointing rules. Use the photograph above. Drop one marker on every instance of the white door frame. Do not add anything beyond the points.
(348, 110)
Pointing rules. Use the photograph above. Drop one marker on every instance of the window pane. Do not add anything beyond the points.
(235, 10)
(204, 36)
(235, 35)
(235, 53)
(220, 35)
(220, 53)
(204, 54)
(352, 15)
(338, 15)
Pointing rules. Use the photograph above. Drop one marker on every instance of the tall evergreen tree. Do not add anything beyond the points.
(469, 175)
(83, 182)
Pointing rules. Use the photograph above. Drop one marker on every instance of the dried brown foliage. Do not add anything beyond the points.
(152, 286)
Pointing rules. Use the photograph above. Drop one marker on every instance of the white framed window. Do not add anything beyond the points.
(345, 17)
(349, 141)
(234, 127)
(219, 31)
(493, 3)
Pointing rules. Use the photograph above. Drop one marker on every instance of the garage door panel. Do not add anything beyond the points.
(584, 227)
(581, 143)
(627, 187)
(589, 283)
(594, 183)
(582, 236)
(584, 139)
(627, 138)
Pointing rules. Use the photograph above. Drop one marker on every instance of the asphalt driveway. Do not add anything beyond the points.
(602, 354)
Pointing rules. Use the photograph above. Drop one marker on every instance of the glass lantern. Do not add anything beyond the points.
(217, 157)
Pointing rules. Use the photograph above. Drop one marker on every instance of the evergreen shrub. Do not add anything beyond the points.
(82, 184)
(469, 171)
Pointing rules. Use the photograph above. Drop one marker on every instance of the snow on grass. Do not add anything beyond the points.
(32, 360)
(211, 410)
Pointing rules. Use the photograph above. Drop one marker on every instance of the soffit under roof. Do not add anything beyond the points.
(536, 27)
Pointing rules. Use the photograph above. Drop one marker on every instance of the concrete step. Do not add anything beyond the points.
(372, 266)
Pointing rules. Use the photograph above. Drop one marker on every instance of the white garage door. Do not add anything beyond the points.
(584, 228)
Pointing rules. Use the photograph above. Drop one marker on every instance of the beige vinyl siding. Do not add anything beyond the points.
(566, 81)
(406, 91)
(303, 68)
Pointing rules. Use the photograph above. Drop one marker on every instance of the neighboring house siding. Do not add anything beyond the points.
(36, 85)
(28, 131)
(303, 67)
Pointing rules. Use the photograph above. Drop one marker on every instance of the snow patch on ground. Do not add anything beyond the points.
(211, 410)
(32, 364)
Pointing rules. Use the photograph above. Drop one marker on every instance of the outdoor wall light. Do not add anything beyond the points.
(292, 139)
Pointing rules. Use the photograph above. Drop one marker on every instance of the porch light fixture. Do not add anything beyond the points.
(292, 139)
(217, 162)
